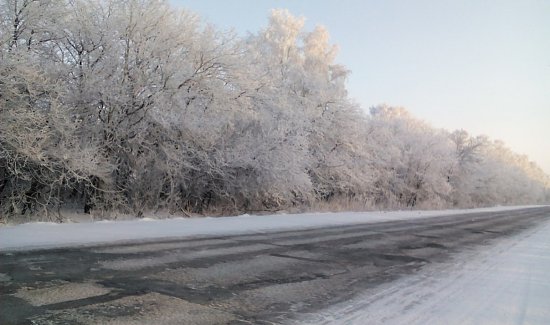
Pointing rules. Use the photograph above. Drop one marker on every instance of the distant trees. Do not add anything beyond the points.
(417, 165)
(133, 106)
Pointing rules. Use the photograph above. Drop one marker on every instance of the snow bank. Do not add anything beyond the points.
(49, 235)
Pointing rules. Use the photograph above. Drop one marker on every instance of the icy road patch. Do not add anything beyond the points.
(508, 283)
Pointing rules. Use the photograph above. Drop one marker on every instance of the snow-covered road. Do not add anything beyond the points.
(41, 235)
(507, 283)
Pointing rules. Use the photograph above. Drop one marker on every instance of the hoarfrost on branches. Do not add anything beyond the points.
(133, 106)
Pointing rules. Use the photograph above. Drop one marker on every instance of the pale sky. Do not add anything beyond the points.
(483, 66)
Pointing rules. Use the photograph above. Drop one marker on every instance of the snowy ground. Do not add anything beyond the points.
(507, 283)
(49, 235)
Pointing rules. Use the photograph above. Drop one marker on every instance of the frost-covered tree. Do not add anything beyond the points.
(43, 159)
(410, 159)
(133, 106)
(299, 70)
(464, 173)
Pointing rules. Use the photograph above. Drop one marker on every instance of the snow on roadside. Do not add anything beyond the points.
(49, 235)
(504, 283)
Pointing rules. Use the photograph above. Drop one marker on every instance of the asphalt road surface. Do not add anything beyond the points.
(269, 278)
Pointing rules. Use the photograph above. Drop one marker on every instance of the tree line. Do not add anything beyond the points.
(133, 106)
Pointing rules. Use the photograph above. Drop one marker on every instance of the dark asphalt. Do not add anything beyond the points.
(246, 279)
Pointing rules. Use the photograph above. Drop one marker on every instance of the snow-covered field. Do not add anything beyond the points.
(49, 235)
(506, 283)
